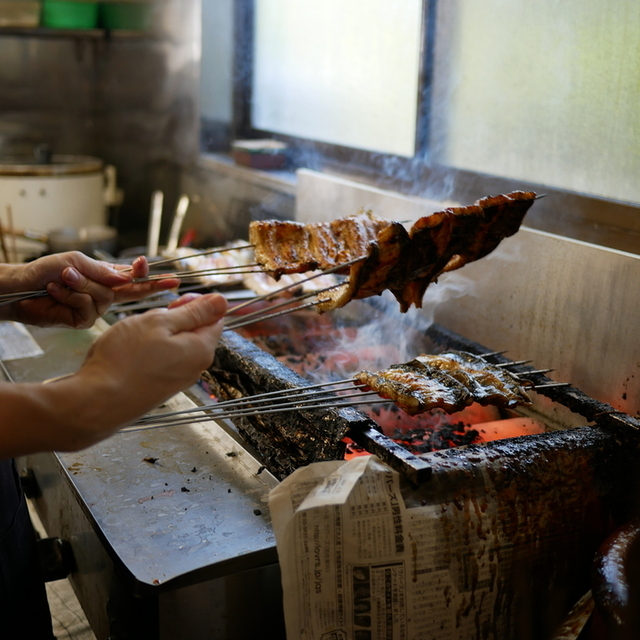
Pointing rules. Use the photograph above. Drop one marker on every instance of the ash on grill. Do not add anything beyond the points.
(286, 441)
(445, 436)
(424, 440)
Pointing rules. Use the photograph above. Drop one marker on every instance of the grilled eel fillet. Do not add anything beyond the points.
(487, 383)
(292, 247)
(373, 275)
(406, 263)
(416, 391)
(449, 239)
(450, 381)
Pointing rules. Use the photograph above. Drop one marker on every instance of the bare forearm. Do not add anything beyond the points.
(66, 415)
(138, 363)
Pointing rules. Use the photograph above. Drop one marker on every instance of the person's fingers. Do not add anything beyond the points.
(79, 309)
(200, 312)
(100, 272)
(86, 299)
(211, 333)
(101, 296)
(184, 299)
(140, 267)
(39, 273)
(135, 291)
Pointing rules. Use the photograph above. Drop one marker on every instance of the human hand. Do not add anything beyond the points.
(79, 289)
(132, 368)
(138, 290)
(145, 359)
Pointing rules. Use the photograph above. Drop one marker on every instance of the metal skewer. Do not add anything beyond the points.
(232, 326)
(550, 385)
(511, 364)
(213, 411)
(157, 263)
(291, 394)
(307, 397)
(273, 396)
(295, 393)
(11, 298)
(244, 321)
(231, 270)
(274, 293)
(330, 404)
(155, 301)
(263, 314)
(530, 373)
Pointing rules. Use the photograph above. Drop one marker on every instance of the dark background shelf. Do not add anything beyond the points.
(81, 34)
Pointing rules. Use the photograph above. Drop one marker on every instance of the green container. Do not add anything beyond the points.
(134, 16)
(69, 14)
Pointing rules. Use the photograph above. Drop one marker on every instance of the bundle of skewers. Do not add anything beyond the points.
(448, 382)
(326, 265)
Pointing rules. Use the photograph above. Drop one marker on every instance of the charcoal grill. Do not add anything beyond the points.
(120, 492)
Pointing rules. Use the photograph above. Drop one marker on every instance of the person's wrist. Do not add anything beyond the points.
(116, 398)
(10, 277)
(10, 282)
(89, 404)
(102, 385)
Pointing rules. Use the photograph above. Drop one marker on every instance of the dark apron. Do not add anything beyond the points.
(24, 610)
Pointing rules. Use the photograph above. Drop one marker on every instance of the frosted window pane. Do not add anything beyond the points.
(216, 83)
(339, 71)
(542, 91)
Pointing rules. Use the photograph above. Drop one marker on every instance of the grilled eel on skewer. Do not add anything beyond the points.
(392, 258)
(450, 381)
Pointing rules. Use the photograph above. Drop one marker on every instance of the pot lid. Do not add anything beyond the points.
(59, 166)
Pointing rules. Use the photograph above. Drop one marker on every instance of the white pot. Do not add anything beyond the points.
(71, 191)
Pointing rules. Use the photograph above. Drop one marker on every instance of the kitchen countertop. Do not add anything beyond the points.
(172, 506)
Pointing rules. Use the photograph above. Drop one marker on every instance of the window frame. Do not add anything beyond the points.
(330, 153)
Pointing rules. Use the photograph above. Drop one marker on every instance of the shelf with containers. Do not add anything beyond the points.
(75, 18)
